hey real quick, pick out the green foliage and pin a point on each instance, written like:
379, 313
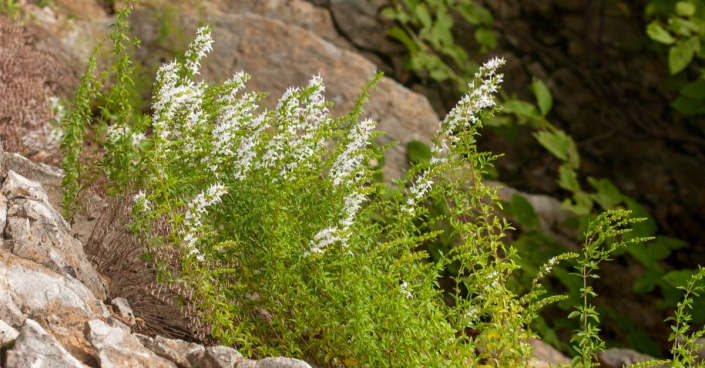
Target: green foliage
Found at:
680, 25
425, 28
11, 8
603, 237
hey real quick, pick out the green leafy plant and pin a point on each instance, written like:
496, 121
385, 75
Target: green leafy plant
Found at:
426, 29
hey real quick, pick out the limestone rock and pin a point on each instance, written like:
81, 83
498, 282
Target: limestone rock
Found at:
184, 354
7, 333
281, 362
123, 310
618, 358
61, 304
547, 353
220, 357
116, 348
37, 232
247, 363
35, 348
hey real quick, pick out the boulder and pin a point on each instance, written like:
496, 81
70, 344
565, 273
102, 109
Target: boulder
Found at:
7, 333
37, 232
60, 303
618, 358
116, 348
35, 348
547, 353
220, 357
123, 310
184, 354
281, 362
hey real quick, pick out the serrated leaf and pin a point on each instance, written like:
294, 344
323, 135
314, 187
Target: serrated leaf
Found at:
607, 196
568, 178
560, 145
657, 33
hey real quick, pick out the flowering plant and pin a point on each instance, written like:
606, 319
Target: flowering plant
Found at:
286, 243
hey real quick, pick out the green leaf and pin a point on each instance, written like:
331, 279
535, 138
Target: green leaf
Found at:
400, 35
607, 196
524, 212
423, 16
681, 54
694, 90
657, 33
543, 96
685, 9
486, 37
679, 278
568, 178
560, 145
580, 205
417, 152
521, 108
688, 106
644, 228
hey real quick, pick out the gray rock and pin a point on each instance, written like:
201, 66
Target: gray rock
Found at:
116, 348
184, 354
35, 348
618, 358
247, 363
37, 232
547, 353
7, 333
29, 290
220, 357
123, 310
281, 362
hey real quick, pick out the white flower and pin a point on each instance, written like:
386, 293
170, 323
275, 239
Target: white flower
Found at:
198, 49
141, 202
403, 288
196, 208
350, 160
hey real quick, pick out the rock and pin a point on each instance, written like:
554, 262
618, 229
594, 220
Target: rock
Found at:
281, 362
220, 357
123, 310
247, 363
35, 348
48, 176
618, 358
298, 13
7, 333
278, 56
184, 354
361, 23
116, 348
547, 353
37, 232
61, 304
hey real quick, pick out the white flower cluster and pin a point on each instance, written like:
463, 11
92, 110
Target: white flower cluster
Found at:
141, 202
546, 269
462, 116
195, 210
116, 133
349, 162
236, 120
404, 288
198, 49
304, 114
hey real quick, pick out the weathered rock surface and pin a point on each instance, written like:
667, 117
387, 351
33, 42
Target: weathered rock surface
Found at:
280, 362
51, 300
547, 353
34, 347
618, 358
117, 348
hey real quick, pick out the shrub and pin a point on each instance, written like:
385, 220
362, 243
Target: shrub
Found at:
273, 221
